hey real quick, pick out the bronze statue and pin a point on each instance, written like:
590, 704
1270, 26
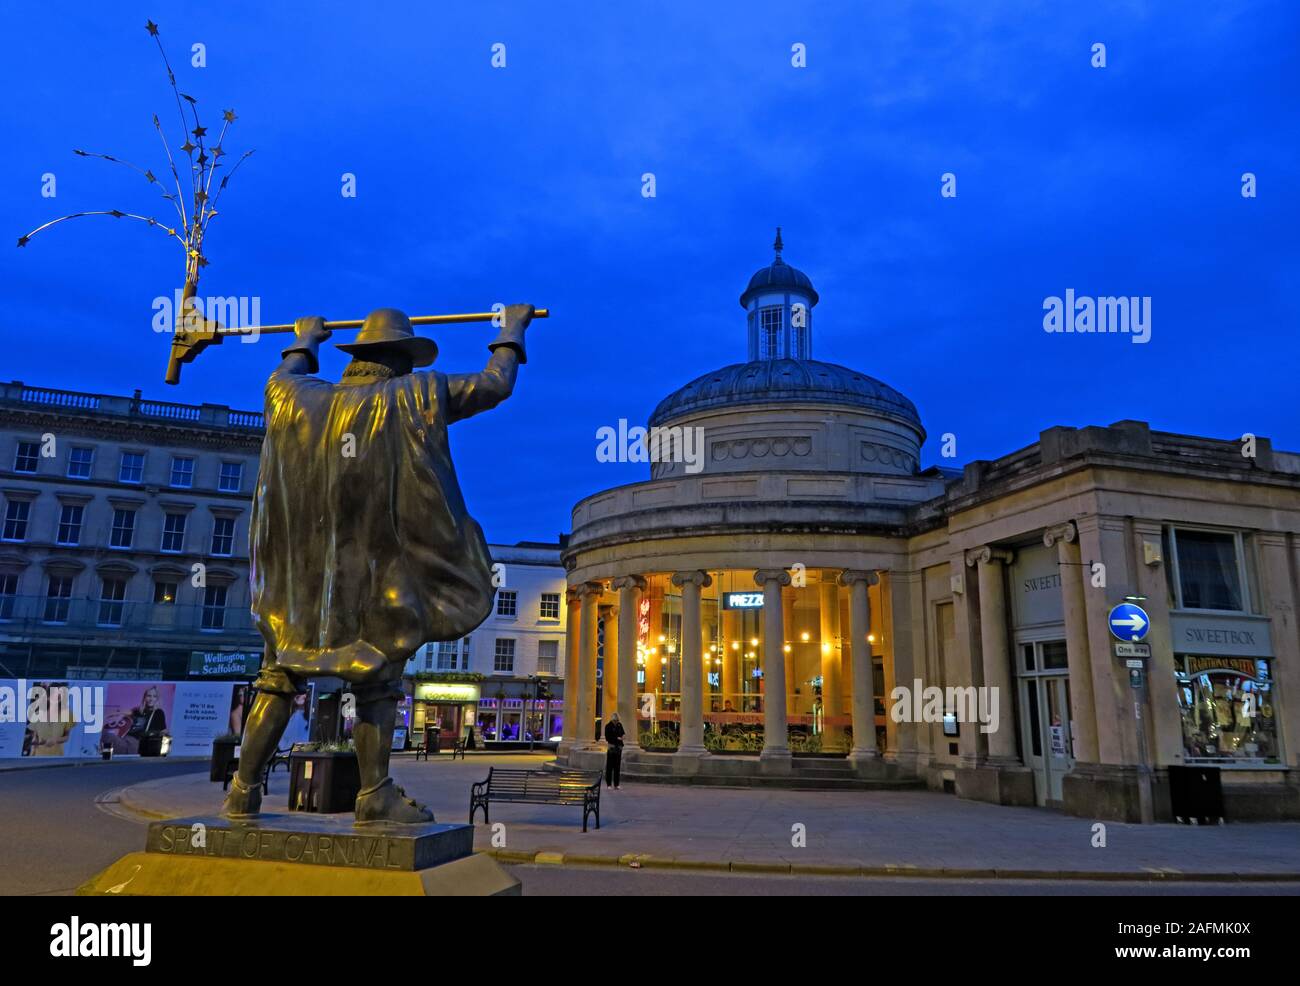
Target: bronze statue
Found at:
360, 545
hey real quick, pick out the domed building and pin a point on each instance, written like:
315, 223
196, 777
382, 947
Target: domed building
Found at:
791, 598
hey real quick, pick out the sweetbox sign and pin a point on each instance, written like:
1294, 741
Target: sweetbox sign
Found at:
1228, 636
1036, 587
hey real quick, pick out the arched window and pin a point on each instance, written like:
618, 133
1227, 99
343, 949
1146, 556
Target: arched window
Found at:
769, 332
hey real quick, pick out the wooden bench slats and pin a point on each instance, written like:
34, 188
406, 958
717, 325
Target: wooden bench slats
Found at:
515, 786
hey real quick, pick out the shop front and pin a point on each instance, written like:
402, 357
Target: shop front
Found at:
448, 706
519, 719
1224, 669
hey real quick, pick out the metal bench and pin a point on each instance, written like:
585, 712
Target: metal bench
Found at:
537, 787
457, 747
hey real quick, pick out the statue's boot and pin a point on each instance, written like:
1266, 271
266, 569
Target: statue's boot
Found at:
263, 728
242, 801
386, 802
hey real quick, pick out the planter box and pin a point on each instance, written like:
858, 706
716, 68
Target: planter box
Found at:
327, 783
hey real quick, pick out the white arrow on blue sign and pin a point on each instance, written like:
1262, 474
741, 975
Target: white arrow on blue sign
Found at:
1129, 622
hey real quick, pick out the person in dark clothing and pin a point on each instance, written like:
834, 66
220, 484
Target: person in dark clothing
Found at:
613, 758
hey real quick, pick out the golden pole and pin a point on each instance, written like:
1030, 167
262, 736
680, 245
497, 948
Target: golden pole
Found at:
356, 323
188, 341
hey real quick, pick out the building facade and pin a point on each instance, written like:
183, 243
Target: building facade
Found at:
124, 548
812, 590
507, 677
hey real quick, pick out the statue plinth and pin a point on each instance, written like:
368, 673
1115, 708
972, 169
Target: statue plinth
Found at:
297, 855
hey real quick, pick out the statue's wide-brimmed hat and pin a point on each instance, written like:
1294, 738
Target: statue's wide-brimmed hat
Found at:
387, 328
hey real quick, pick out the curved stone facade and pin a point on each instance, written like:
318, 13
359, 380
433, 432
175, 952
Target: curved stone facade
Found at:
782, 583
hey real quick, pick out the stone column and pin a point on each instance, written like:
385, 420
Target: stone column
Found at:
1083, 709
775, 757
731, 658
1283, 612
692, 714
903, 626
572, 666
792, 659
1104, 539
1279, 561
1162, 718
584, 708
864, 714
832, 694
995, 647
609, 676
654, 678
629, 589
963, 667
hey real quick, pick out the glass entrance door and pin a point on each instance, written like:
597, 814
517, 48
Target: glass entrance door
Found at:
1045, 717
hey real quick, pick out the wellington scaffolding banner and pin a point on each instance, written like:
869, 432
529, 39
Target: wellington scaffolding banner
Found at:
78, 719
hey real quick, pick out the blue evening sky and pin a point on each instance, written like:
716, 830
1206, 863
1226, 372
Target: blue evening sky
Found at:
477, 185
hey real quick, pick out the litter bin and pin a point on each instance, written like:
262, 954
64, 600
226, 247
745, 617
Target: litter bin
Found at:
1196, 795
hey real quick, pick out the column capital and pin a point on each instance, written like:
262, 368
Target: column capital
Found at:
985, 554
628, 582
851, 575
766, 575
693, 576
585, 589
1066, 532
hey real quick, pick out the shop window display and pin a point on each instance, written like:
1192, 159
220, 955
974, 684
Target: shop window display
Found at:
1226, 705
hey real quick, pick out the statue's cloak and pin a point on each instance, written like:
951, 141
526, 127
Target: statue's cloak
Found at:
361, 549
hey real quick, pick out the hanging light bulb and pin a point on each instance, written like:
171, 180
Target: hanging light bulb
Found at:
804, 636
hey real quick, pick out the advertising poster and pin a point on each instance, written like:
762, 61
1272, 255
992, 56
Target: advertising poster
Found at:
135, 713
200, 713
298, 729
132, 718
46, 726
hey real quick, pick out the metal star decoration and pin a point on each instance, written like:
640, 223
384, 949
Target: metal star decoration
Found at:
202, 169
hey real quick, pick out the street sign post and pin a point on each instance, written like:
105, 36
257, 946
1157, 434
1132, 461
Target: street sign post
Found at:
1133, 650
1128, 622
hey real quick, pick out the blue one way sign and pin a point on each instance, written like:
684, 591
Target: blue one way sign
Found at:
1129, 622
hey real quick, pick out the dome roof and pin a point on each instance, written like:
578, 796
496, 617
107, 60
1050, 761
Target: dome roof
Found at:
785, 381
778, 276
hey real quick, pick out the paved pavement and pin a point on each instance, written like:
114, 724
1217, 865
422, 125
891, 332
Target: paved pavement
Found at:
908, 833
540, 880
53, 837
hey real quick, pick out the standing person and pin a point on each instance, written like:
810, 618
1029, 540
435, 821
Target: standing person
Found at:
614, 758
